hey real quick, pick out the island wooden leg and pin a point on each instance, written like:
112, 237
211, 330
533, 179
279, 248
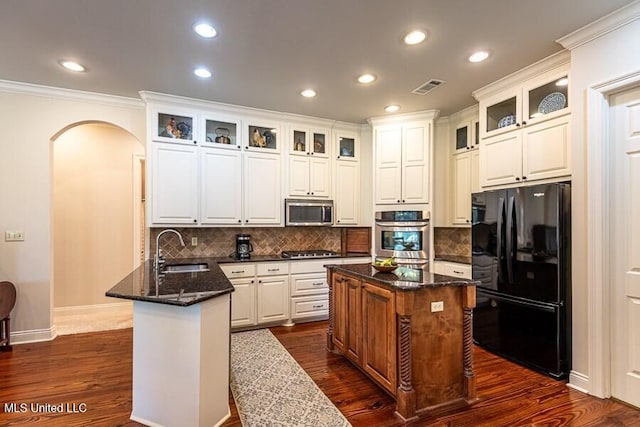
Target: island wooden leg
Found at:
468, 303
406, 395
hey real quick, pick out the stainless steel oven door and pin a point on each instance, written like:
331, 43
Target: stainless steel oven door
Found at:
402, 239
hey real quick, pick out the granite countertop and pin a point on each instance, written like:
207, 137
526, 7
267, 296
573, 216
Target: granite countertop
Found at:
402, 278
460, 259
143, 284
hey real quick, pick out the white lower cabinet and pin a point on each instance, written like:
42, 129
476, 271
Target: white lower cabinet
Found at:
309, 290
453, 269
243, 302
273, 292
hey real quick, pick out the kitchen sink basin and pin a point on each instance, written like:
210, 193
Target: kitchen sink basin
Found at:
186, 268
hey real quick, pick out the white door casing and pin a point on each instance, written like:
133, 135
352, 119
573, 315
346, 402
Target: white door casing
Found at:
625, 254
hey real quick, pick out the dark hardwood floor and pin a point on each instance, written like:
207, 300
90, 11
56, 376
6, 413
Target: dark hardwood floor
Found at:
95, 370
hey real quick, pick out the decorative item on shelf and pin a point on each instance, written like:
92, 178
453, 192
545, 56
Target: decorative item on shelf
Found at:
184, 129
299, 146
507, 120
318, 146
257, 139
223, 136
553, 102
170, 129
344, 151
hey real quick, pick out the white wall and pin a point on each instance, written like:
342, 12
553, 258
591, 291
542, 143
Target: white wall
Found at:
93, 212
608, 57
32, 117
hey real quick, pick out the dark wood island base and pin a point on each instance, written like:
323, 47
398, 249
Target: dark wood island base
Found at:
411, 335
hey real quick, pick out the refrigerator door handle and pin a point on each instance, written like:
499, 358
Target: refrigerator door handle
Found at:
499, 253
510, 228
548, 307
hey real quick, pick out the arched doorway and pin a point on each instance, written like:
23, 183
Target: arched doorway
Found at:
98, 223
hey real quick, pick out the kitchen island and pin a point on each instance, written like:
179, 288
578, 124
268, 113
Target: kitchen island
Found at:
409, 331
181, 339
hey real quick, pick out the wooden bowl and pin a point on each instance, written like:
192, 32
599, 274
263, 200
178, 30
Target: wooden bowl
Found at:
385, 268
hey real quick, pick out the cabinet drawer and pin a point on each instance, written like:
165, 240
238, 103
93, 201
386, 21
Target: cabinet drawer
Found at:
453, 269
272, 268
309, 284
238, 270
302, 307
310, 266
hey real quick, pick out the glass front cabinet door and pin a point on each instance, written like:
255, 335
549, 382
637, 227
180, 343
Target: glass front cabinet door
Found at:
543, 101
222, 132
348, 147
309, 142
176, 126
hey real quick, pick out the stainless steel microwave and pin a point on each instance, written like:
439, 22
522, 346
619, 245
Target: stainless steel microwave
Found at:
308, 212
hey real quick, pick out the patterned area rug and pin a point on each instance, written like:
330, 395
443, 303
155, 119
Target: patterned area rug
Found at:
271, 389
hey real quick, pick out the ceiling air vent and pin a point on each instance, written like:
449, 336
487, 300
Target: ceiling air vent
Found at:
427, 87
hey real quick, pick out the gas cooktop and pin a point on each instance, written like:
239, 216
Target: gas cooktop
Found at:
313, 253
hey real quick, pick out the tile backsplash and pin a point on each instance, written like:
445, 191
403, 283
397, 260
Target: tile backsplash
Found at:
221, 242
452, 241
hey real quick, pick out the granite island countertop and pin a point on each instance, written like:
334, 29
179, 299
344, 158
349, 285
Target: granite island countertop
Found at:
183, 289
402, 278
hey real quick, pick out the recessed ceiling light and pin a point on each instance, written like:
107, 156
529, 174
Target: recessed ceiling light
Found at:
479, 56
366, 78
415, 37
205, 30
562, 82
392, 108
308, 93
202, 72
72, 66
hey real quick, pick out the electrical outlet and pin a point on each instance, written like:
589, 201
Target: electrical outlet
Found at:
194, 241
437, 306
14, 236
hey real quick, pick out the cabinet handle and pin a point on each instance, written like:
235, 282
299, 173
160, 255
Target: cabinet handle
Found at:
237, 272
318, 306
318, 283
273, 269
458, 272
524, 177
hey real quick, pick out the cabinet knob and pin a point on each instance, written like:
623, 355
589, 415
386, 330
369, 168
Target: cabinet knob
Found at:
238, 146
468, 148
403, 201
524, 177
195, 220
246, 220
312, 193
338, 221
524, 123
246, 147
307, 193
517, 178
398, 201
312, 153
239, 221
195, 142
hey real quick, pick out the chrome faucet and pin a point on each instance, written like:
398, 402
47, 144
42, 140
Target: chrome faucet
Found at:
158, 261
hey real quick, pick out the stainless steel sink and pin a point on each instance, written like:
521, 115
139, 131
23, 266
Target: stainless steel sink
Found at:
186, 268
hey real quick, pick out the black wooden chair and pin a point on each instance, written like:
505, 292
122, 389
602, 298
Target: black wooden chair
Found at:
7, 301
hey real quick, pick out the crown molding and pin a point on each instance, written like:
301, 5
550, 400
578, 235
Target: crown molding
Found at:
399, 118
602, 26
551, 62
69, 94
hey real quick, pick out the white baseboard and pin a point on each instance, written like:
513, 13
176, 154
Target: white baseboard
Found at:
92, 318
34, 335
579, 381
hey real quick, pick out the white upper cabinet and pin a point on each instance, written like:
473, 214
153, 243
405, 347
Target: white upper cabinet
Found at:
347, 146
174, 184
309, 168
524, 125
263, 136
402, 150
262, 189
221, 131
221, 186
347, 193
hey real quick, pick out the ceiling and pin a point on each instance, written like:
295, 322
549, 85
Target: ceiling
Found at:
268, 51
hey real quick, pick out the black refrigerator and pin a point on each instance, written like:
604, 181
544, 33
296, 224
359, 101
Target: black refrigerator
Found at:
521, 255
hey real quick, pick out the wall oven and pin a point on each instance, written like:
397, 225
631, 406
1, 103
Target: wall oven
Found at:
403, 235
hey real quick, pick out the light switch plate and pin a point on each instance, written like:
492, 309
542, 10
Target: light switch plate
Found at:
14, 236
437, 306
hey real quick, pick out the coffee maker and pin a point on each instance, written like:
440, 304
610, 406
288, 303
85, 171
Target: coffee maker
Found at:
243, 246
